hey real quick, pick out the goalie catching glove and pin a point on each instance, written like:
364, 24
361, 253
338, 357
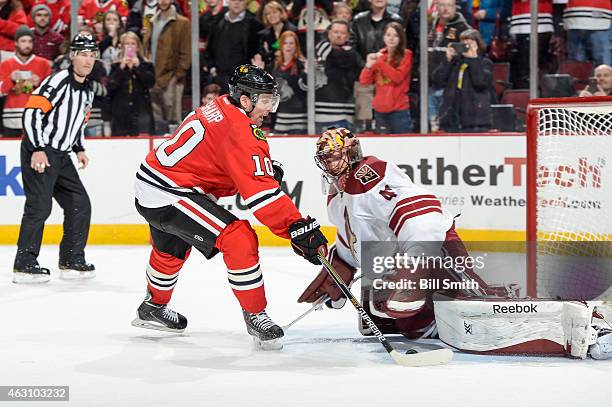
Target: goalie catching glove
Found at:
307, 239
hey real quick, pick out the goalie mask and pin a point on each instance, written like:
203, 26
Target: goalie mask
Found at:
338, 151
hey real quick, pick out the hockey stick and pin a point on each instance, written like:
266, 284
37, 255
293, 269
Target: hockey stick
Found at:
411, 357
316, 305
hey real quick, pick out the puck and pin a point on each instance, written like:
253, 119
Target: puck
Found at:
411, 351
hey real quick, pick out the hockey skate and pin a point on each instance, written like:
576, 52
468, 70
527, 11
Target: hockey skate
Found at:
31, 275
266, 334
158, 317
76, 270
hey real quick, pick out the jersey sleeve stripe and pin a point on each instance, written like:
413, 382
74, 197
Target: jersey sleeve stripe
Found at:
266, 200
413, 199
401, 210
259, 195
414, 214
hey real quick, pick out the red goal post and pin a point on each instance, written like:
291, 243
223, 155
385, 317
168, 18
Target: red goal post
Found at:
569, 198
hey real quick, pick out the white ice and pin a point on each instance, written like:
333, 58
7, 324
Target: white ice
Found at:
79, 334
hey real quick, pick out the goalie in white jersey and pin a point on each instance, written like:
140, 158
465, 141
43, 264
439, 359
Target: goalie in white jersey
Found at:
374, 200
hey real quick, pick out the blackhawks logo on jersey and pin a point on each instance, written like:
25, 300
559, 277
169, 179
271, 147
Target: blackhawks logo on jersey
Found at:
366, 174
258, 133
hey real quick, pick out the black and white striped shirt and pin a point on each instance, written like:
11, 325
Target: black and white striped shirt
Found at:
57, 112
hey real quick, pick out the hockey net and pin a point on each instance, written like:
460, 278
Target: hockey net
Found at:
569, 198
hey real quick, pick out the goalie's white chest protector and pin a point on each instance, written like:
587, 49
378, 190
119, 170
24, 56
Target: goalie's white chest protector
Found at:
381, 203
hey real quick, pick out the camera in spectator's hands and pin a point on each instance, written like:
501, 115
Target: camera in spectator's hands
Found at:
459, 47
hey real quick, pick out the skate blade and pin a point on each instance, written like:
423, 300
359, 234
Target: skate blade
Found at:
76, 275
271, 345
139, 323
27, 278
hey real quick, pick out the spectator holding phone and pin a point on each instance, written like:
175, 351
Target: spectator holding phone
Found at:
129, 83
602, 83
389, 69
466, 77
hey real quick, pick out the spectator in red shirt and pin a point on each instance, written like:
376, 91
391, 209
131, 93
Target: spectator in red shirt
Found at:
93, 11
19, 76
12, 17
389, 69
46, 41
60, 15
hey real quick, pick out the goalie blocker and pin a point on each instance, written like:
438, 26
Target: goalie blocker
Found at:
523, 327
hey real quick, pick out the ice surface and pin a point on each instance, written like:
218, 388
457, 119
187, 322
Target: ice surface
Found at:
79, 334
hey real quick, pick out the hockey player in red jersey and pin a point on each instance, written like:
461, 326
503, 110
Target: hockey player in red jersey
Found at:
374, 200
219, 150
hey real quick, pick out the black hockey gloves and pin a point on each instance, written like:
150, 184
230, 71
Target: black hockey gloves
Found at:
279, 171
307, 239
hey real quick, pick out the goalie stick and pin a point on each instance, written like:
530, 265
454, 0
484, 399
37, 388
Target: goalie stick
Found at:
411, 357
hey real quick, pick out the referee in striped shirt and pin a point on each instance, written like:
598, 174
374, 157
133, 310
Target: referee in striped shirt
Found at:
54, 120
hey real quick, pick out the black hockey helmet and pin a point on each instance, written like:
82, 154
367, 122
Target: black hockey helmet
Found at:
83, 42
252, 81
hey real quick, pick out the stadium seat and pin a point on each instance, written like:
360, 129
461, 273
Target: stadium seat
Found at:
519, 98
501, 78
557, 86
504, 117
581, 71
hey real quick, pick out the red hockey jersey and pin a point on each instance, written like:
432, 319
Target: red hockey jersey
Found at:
60, 15
93, 10
16, 93
587, 15
218, 151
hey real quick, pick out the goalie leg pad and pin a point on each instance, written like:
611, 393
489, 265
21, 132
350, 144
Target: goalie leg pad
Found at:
527, 327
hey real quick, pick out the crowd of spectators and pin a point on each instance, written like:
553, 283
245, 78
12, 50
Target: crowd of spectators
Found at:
367, 58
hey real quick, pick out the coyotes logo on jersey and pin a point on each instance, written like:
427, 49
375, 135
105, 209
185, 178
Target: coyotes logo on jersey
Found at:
381, 203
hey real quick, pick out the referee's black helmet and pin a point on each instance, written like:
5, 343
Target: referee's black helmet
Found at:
83, 42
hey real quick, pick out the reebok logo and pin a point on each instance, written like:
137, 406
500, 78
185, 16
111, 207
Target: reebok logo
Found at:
515, 309
304, 229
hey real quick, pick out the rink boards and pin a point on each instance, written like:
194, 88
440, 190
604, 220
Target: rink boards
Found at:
481, 177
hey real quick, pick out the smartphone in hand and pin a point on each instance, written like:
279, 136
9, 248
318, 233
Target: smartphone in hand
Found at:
130, 52
459, 47
592, 85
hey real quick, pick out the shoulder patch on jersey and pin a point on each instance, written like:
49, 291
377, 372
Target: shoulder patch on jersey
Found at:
366, 174
258, 133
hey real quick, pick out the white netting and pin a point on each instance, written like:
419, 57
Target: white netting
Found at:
574, 201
